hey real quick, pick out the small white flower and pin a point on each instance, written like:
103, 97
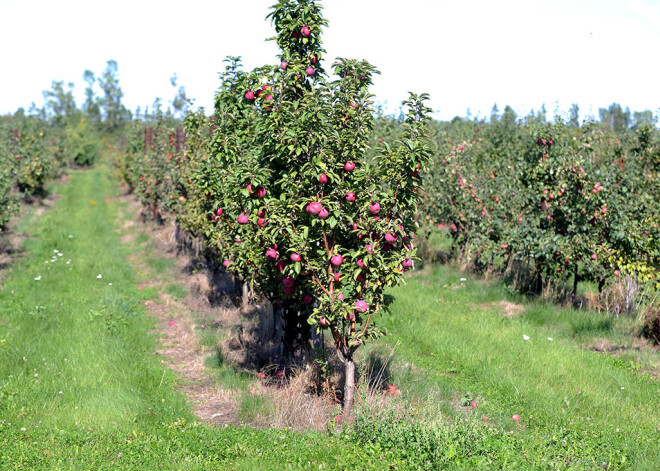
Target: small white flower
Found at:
55, 251
109, 284
37, 278
68, 262
525, 337
622, 388
99, 276
550, 338
463, 279
70, 237
60, 254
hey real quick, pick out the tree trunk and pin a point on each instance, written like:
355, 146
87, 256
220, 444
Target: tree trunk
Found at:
576, 278
278, 330
349, 389
245, 295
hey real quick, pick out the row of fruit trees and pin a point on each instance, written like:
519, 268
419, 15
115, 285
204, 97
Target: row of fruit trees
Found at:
32, 152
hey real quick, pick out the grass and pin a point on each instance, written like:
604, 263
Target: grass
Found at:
80, 386
455, 346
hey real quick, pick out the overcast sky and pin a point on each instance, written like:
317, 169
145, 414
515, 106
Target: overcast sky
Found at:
468, 54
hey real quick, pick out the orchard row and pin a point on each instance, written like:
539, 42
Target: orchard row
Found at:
32, 152
567, 203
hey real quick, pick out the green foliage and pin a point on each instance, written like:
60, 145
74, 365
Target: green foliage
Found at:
113, 113
284, 140
567, 203
84, 146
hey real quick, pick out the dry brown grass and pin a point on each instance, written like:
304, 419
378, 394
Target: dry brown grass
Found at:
298, 407
508, 309
626, 296
651, 328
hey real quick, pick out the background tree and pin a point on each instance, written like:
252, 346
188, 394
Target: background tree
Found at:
574, 116
180, 101
60, 105
615, 118
114, 113
91, 106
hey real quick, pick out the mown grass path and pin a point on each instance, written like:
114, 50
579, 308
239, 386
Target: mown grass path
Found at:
80, 386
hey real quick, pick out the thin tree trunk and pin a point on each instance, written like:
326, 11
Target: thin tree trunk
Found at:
278, 329
245, 295
575, 282
349, 389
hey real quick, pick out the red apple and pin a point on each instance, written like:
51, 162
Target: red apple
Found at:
374, 208
310, 70
349, 166
242, 219
249, 95
324, 213
336, 276
307, 299
296, 257
271, 254
391, 238
262, 222
360, 263
324, 322
314, 208
361, 306
283, 65
323, 179
350, 196
337, 260
226, 263
280, 265
305, 31
288, 281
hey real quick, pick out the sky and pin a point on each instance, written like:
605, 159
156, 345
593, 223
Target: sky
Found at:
467, 54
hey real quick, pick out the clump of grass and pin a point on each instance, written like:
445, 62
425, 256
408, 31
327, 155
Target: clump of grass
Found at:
177, 291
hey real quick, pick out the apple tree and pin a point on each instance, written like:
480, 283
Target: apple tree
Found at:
293, 202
